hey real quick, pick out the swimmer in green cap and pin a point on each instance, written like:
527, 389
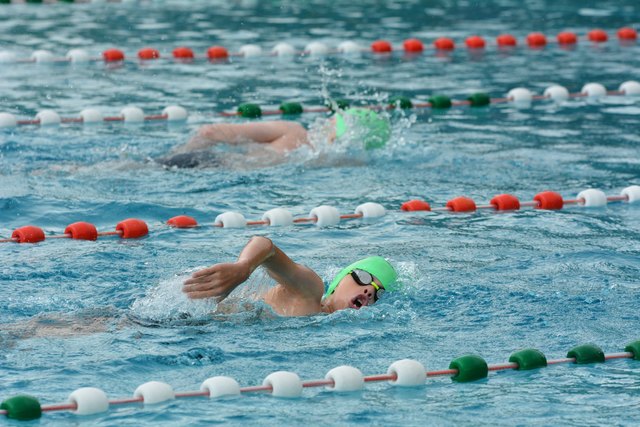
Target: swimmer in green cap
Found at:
280, 137
368, 126
300, 291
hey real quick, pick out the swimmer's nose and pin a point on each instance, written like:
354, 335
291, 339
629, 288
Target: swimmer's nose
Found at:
369, 293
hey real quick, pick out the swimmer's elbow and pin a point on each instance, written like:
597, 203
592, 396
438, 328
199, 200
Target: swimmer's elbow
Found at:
262, 239
205, 132
266, 245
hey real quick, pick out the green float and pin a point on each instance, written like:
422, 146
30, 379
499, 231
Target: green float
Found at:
440, 101
479, 99
634, 348
23, 408
587, 353
291, 108
529, 358
470, 368
401, 101
250, 111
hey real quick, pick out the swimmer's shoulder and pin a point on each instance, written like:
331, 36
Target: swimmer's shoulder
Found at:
288, 303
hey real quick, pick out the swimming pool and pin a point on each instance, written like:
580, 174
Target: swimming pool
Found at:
483, 283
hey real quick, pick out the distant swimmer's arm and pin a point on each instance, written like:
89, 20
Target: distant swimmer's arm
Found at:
282, 135
221, 279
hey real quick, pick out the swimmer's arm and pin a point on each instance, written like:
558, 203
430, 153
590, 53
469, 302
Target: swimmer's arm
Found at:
221, 279
283, 134
296, 278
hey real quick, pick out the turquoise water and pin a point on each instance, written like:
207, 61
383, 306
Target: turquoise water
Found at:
109, 313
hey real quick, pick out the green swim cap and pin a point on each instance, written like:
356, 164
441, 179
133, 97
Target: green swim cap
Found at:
374, 265
374, 129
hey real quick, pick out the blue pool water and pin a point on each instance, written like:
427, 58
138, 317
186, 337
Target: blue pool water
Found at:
109, 314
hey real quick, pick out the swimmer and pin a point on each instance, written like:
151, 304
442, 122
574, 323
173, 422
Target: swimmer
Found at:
300, 291
279, 136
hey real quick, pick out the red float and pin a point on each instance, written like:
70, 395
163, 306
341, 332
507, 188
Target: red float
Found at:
549, 200
148, 53
182, 221
627, 33
475, 42
28, 234
444, 43
183, 53
113, 55
567, 37
536, 40
132, 228
505, 202
506, 40
413, 45
381, 46
217, 52
415, 205
598, 36
82, 231
461, 204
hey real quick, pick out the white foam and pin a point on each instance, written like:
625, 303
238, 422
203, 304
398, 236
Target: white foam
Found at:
166, 301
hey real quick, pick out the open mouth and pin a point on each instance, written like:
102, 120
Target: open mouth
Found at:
359, 301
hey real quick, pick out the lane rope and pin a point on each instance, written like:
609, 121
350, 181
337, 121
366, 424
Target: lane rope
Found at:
328, 216
284, 384
521, 97
627, 36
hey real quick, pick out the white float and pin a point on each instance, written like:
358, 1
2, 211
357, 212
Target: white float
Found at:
520, 95
557, 93
594, 90
371, 210
325, 215
91, 115
249, 50
78, 55
231, 220
220, 386
48, 117
283, 49
42, 56
8, 120
175, 113
345, 378
349, 47
593, 198
89, 401
630, 88
317, 49
409, 373
632, 193
132, 114
278, 217
284, 384
154, 392
6, 56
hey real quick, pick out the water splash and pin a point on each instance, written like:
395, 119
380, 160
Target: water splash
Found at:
166, 303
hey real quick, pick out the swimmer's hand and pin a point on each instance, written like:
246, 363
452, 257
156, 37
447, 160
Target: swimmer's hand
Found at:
217, 281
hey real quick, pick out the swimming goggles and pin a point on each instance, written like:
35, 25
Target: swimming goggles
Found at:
364, 278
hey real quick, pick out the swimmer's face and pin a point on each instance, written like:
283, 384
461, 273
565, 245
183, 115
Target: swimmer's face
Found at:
349, 294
